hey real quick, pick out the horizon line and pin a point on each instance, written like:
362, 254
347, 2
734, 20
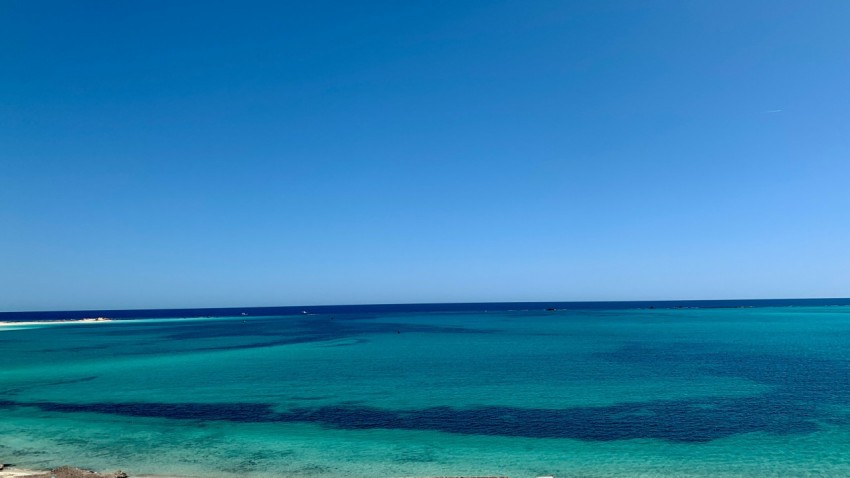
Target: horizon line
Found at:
413, 304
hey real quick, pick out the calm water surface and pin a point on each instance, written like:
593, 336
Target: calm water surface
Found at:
721, 392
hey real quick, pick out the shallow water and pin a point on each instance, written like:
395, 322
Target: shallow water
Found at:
593, 393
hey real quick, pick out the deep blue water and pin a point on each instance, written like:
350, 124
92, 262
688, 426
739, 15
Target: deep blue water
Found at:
413, 308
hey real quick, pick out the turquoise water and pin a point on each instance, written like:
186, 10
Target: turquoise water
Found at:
596, 393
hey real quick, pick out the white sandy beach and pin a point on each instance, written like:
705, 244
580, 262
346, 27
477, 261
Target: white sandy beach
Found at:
18, 473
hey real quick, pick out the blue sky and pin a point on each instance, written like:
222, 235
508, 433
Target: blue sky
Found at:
180, 154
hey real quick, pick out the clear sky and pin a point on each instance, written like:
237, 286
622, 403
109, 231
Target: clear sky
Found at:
190, 154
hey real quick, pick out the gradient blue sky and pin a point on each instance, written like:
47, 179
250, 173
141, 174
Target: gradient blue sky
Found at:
180, 154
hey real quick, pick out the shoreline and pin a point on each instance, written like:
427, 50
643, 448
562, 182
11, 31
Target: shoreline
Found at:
10, 471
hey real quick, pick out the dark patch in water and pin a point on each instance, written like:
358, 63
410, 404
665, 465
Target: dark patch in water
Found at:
53, 383
346, 344
78, 349
677, 421
810, 380
257, 345
276, 331
233, 412
803, 391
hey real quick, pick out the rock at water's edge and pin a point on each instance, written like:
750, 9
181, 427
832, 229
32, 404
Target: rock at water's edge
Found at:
69, 472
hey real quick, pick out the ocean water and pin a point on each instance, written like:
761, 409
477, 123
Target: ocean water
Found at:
598, 390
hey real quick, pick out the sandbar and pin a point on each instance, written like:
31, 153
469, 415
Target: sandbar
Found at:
87, 320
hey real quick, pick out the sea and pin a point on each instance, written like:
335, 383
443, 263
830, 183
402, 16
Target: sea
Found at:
757, 388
